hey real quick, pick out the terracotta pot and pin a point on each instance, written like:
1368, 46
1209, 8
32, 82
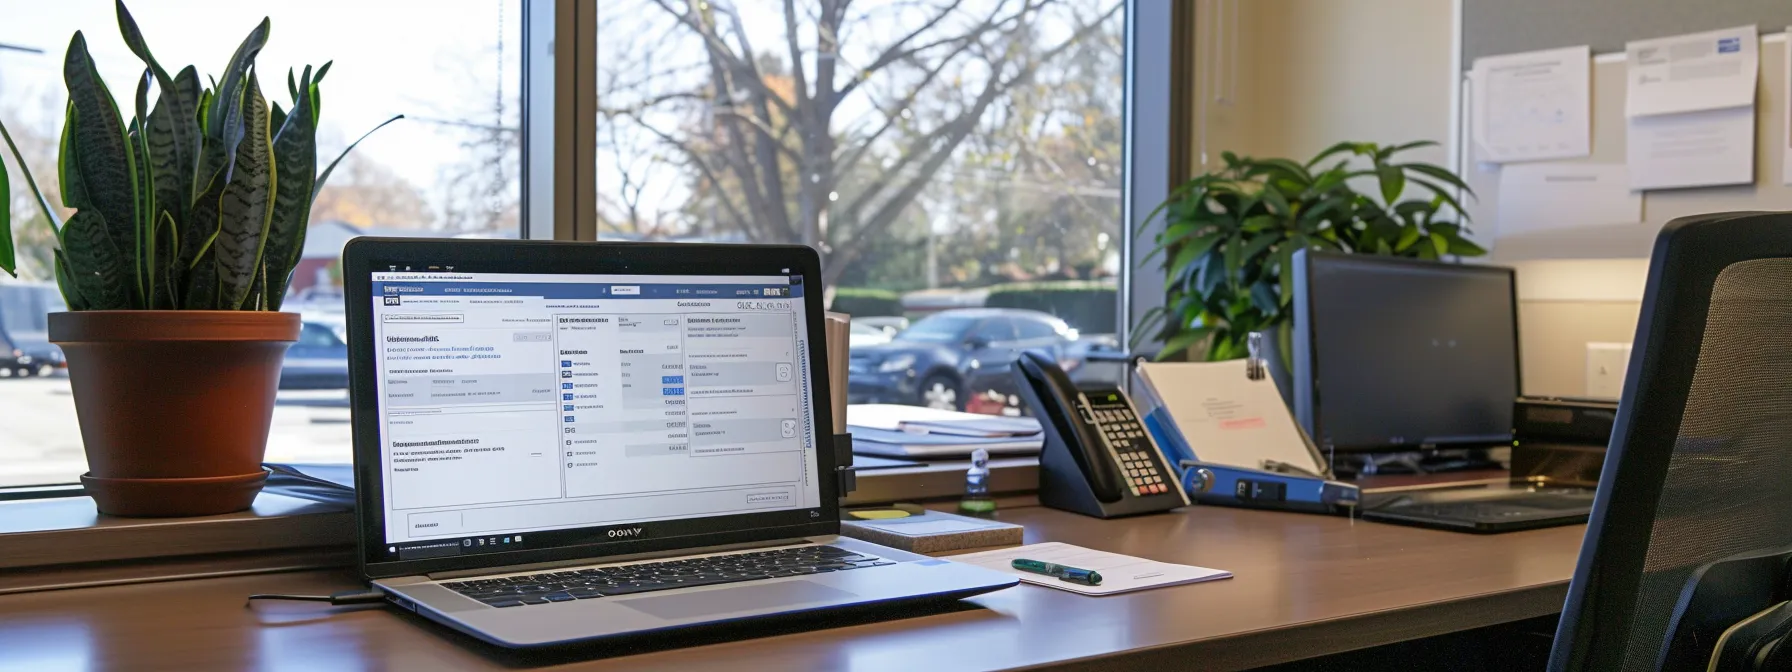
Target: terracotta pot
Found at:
174, 404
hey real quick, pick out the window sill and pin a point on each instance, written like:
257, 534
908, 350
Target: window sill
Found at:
48, 544
65, 542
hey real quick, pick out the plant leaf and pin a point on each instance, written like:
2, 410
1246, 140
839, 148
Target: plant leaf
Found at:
1393, 182
8, 262
1183, 340
167, 245
1408, 235
68, 173
201, 292
245, 210
1463, 247
71, 295
133, 38
30, 183
228, 106
104, 158
96, 264
1439, 174
173, 149
325, 176
295, 163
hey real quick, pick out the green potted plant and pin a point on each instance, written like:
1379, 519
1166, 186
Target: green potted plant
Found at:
1230, 236
188, 219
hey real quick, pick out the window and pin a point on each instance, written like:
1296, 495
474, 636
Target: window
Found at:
942, 155
451, 168
1034, 330
993, 331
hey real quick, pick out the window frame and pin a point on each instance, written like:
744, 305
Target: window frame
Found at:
559, 95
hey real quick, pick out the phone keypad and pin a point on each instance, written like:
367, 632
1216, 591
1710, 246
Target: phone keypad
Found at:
1138, 461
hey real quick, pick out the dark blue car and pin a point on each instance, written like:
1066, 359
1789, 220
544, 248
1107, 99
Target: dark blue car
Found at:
25, 347
950, 359
318, 361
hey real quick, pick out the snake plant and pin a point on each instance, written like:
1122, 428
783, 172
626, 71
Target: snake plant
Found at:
198, 203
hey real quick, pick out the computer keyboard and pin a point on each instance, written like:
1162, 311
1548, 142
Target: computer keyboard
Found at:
580, 584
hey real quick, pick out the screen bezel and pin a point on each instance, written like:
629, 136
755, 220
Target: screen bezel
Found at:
364, 256
1304, 322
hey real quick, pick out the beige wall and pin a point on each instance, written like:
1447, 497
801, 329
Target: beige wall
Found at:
1309, 73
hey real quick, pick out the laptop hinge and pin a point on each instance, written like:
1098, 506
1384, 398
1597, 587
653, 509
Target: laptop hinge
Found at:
675, 553
843, 469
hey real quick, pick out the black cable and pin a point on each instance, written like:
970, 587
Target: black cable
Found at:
335, 599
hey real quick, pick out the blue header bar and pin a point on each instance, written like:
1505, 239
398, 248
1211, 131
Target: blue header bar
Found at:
587, 290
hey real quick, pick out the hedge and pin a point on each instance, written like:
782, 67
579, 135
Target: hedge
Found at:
866, 302
1089, 306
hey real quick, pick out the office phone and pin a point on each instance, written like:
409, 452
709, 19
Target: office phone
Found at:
1098, 459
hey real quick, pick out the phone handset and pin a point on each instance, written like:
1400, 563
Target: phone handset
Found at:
1067, 412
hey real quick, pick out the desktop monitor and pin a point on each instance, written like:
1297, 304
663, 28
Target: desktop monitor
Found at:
1394, 355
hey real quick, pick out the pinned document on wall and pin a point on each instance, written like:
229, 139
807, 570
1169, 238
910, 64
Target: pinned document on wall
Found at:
1690, 104
1541, 196
1786, 116
1532, 106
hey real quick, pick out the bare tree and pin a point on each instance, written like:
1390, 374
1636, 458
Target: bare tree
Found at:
876, 96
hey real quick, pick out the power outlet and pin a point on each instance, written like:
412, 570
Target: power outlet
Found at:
1606, 364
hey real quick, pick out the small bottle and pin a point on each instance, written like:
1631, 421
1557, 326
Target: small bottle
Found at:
977, 501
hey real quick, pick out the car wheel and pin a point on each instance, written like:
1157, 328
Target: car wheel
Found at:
941, 391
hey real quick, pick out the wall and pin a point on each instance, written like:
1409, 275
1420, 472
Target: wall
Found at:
1309, 73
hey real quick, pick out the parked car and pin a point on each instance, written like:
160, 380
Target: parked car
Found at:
861, 335
25, 347
889, 325
318, 361
950, 358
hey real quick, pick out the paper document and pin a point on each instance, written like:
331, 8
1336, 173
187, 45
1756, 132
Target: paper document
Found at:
891, 416
1540, 196
1692, 149
1226, 418
1786, 114
1534, 105
1687, 73
1119, 573
1690, 104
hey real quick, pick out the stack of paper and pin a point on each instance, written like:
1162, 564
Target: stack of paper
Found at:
839, 330
1119, 573
914, 431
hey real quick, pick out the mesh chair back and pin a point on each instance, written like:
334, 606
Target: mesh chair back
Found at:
1700, 463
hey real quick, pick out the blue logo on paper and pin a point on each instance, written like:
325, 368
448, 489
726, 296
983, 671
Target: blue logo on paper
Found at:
566, 386
566, 407
565, 363
1729, 45
566, 397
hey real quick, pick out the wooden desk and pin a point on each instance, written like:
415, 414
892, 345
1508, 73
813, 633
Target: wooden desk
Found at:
1305, 586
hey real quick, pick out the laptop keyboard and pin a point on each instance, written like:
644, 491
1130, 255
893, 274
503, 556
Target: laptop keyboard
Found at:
582, 584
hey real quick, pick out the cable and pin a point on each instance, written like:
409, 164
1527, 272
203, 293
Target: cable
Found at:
335, 599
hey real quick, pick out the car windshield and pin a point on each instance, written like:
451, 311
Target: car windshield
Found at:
938, 329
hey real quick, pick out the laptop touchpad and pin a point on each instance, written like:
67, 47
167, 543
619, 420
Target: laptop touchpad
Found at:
745, 598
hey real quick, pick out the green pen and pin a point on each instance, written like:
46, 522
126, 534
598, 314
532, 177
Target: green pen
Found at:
1087, 577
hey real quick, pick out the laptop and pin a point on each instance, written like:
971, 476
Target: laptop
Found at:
566, 442
1505, 506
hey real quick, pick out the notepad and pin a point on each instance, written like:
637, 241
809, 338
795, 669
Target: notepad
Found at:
1119, 573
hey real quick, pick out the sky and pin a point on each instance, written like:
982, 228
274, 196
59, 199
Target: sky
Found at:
436, 59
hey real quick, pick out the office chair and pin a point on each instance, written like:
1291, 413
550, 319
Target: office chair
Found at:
1698, 476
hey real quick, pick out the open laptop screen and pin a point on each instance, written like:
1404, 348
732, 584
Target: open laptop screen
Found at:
531, 411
